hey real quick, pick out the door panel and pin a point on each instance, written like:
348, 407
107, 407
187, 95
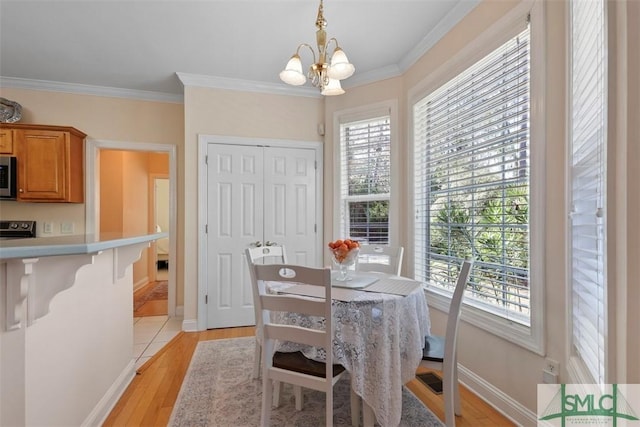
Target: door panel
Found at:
234, 203
255, 194
290, 198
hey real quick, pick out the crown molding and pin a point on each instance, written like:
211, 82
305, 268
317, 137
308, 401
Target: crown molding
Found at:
443, 27
113, 92
200, 80
388, 72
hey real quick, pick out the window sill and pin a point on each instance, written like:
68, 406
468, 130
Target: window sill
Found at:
527, 337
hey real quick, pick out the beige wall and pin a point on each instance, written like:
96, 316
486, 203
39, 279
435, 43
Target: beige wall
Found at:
125, 199
158, 163
100, 117
111, 188
135, 206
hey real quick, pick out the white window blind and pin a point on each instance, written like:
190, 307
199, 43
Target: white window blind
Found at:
588, 183
366, 179
472, 181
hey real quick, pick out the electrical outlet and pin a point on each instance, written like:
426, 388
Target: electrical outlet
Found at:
47, 227
549, 378
551, 371
66, 227
552, 366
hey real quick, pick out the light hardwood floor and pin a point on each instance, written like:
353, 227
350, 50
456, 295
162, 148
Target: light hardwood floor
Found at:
150, 397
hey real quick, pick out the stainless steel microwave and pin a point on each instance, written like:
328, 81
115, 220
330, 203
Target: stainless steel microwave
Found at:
8, 177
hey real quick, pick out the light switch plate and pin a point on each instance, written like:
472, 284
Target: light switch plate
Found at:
47, 227
66, 227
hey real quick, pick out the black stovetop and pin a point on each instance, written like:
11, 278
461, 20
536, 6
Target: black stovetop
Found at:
17, 229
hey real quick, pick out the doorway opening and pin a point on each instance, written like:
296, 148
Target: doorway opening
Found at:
121, 196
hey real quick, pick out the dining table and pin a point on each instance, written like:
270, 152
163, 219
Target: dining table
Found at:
380, 323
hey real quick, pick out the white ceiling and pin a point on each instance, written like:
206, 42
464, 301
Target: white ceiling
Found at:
140, 45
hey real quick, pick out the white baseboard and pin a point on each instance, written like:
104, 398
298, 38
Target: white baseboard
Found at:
190, 325
104, 407
140, 283
495, 397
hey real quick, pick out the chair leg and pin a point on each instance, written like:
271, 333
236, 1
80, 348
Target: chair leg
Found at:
355, 408
448, 392
449, 412
277, 392
457, 404
329, 407
257, 360
267, 397
297, 392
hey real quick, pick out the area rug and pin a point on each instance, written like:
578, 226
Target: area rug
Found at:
157, 292
218, 391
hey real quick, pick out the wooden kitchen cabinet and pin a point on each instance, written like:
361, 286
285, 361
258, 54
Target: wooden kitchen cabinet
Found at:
50, 163
6, 142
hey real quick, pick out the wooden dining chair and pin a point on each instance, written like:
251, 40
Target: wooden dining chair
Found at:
440, 352
295, 368
262, 255
380, 258
266, 255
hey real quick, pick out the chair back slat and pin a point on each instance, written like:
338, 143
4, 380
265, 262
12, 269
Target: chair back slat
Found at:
312, 307
267, 255
380, 258
297, 334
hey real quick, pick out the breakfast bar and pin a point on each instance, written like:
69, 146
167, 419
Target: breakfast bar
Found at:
69, 297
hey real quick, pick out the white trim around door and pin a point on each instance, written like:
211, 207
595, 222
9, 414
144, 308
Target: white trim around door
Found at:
92, 202
203, 142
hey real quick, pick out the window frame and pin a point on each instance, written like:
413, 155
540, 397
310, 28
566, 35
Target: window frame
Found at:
372, 111
577, 369
530, 337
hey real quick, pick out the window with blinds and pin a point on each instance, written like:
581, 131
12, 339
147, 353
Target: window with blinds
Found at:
472, 181
365, 179
588, 103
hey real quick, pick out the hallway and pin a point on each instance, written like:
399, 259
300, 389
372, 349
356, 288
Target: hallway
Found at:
152, 327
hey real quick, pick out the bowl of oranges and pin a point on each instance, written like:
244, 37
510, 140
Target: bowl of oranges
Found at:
345, 254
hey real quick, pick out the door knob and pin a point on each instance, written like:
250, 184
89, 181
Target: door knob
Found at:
268, 243
258, 244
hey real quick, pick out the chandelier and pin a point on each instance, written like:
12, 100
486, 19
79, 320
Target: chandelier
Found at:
323, 75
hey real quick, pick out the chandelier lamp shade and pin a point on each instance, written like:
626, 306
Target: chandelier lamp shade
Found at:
323, 74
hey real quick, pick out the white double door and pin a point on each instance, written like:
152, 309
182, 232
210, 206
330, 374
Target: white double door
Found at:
256, 195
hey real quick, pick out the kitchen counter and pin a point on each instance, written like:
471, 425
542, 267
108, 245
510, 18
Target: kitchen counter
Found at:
66, 329
71, 245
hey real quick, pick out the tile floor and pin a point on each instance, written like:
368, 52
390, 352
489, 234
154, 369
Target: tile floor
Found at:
152, 333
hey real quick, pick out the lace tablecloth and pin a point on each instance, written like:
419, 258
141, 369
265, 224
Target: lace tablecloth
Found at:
378, 339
